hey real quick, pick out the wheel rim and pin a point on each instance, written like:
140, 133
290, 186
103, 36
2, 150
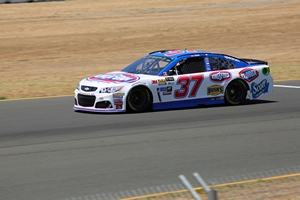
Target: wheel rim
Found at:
138, 98
235, 91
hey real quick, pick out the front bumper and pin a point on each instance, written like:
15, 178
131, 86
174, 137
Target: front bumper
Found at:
98, 110
98, 102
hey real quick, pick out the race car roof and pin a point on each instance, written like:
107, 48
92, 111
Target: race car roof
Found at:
177, 53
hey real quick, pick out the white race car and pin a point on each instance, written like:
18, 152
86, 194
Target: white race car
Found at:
170, 79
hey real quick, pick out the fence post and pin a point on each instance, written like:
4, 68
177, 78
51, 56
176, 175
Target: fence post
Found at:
212, 194
189, 187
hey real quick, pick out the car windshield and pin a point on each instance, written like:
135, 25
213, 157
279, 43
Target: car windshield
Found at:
151, 65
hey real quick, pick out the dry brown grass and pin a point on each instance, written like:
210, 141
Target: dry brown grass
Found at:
46, 48
273, 188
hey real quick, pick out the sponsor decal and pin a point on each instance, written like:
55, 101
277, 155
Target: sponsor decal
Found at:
118, 101
154, 81
215, 90
162, 82
206, 59
163, 89
168, 90
105, 90
115, 78
221, 76
119, 107
154, 57
118, 95
139, 83
164, 59
167, 93
110, 89
266, 71
220, 98
259, 89
169, 78
217, 98
85, 93
175, 52
249, 74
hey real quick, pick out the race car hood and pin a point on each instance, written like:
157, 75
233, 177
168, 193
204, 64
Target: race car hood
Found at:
112, 79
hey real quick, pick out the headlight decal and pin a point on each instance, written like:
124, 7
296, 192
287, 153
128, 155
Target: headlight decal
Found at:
110, 89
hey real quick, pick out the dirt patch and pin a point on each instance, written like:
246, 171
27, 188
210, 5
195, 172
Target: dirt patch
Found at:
46, 48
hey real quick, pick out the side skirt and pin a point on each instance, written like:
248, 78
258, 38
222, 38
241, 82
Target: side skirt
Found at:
188, 103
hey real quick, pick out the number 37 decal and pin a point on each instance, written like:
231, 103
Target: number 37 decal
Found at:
185, 82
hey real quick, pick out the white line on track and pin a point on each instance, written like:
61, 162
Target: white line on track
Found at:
287, 86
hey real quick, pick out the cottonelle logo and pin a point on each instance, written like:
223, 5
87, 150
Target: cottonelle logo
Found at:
249, 74
221, 76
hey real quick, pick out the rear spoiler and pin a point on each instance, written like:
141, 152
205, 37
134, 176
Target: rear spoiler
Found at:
253, 61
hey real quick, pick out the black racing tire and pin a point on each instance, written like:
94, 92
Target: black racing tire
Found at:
138, 100
236, 92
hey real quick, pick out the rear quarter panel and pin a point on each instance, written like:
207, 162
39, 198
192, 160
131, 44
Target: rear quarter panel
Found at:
210, 85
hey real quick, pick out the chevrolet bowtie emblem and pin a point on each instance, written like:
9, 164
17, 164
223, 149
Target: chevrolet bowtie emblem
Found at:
86, 89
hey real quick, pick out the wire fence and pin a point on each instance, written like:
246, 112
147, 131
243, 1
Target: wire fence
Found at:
282, 184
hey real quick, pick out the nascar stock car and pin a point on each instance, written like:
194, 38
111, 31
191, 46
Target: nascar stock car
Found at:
169, 79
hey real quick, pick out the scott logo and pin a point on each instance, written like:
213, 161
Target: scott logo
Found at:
249, 74
259, 89
221, 76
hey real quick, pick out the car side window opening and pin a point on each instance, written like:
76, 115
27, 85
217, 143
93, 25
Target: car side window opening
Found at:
217, 63
188, 66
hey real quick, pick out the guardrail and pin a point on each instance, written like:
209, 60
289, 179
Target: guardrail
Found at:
25, 1
281, 184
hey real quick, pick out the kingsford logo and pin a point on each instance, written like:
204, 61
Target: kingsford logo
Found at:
259, 89
249, 74
115, 78
220, 76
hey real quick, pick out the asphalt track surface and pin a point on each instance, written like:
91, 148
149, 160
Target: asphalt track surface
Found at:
48, 151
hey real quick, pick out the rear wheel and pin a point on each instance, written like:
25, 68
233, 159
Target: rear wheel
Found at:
138, 99
236, 92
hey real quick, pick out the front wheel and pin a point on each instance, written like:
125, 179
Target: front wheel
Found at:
138, 99
236, 92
